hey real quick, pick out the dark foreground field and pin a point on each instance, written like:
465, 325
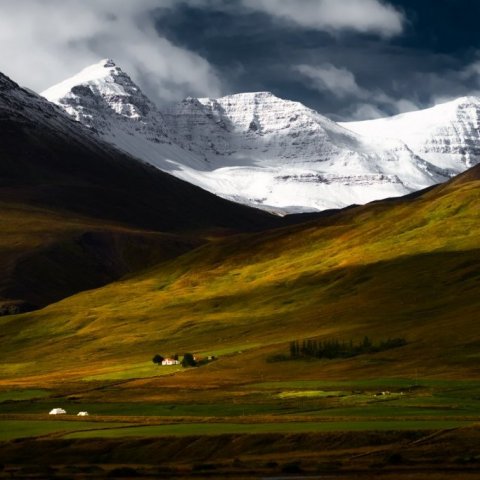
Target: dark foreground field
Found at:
437, 455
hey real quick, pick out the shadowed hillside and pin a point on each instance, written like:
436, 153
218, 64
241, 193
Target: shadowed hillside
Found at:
406, 268
46, 256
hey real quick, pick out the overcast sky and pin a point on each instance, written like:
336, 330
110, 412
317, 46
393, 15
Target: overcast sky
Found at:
349, 59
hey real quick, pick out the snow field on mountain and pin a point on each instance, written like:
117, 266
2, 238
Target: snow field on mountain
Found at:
276, 154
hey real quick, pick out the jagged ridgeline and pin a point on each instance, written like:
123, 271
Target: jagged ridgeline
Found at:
261, 150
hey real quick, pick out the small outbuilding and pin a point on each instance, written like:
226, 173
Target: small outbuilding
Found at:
170, 361
57, 411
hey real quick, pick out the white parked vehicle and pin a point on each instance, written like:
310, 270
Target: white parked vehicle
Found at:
82, 414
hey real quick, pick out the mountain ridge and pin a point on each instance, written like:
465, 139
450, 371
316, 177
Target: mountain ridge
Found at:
255, 148
69, 159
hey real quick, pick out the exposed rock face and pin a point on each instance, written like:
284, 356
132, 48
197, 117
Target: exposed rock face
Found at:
105, 99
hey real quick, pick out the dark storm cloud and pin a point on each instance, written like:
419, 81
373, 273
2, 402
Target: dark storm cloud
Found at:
428, 55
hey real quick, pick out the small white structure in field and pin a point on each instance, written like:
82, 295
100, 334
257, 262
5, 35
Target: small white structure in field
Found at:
57, 411
170, 361
82, 414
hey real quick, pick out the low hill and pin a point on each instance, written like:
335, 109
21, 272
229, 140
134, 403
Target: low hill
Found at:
46, 256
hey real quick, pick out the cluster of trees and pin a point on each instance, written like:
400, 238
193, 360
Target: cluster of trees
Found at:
189, 360
335, 349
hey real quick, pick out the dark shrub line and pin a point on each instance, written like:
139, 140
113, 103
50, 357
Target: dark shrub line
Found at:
330, 349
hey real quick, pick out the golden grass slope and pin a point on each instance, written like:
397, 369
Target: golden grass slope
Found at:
407, 268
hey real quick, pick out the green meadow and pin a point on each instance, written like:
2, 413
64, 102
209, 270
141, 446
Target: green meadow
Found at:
14, 429
195, 429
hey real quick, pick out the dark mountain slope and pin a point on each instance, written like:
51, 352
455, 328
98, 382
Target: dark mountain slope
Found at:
45, 256
48, 159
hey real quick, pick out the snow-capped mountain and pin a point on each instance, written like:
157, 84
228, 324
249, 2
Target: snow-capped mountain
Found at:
106, 100
446, 135
275, 152
253, 148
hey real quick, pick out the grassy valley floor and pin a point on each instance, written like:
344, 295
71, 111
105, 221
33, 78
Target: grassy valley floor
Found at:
410, 428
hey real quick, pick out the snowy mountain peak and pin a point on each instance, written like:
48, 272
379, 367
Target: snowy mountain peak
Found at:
468, 100
246, 97
446, 135
260, 113
263, 99
105, 99
102, 95
242, 97
105, 72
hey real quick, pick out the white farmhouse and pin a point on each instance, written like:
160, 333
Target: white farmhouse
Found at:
57, 411
170, 361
